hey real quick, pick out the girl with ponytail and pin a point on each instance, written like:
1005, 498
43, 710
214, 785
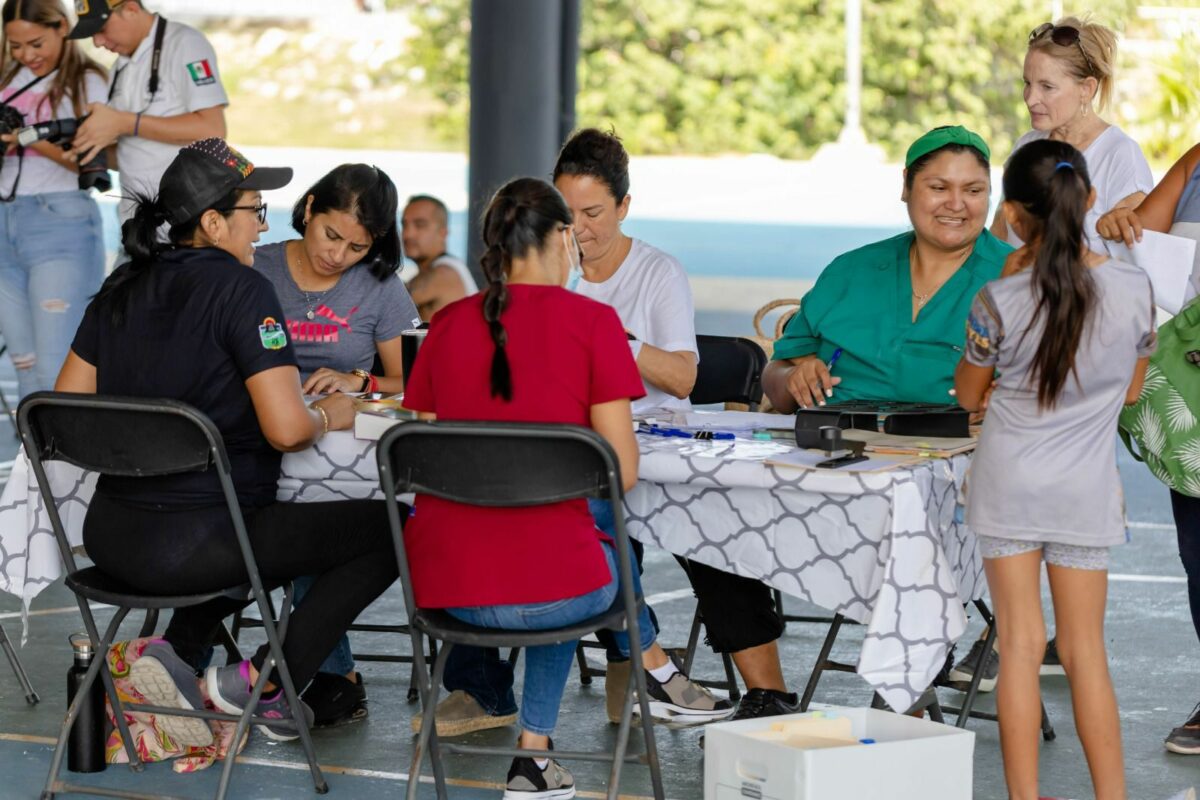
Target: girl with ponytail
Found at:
527, 350
1069, 333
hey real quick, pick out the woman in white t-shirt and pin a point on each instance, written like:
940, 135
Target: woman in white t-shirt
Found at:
1068, 73
51, 246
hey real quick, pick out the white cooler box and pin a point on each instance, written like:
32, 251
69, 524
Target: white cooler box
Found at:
910, 758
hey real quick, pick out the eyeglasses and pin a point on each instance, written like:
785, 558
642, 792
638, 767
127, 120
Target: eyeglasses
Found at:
1063, 36
260, 210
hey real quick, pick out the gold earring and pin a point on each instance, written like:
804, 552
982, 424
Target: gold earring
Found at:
1084, 109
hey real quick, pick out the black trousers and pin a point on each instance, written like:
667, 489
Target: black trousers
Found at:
1187, 527
739, 612
347, 545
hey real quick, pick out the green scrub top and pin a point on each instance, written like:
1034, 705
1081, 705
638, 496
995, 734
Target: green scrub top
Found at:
862, 303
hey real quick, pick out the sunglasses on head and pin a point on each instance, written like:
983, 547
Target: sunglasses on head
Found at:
1063, 36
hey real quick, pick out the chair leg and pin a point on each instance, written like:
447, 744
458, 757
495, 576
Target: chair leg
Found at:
647, 722
585, 672
97, 669
968, 703
735, 693
233, 654
427, 737
622, 743
811, 687
31, 696
150, 623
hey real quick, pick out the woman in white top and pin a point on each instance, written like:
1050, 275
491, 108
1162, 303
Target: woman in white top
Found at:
1068, 77
51, 250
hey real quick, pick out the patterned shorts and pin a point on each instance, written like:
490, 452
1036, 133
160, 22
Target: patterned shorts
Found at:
1060, 555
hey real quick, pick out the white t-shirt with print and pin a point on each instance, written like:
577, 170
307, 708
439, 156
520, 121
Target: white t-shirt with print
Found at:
188, 81
1117, 169
652, 296
40, 174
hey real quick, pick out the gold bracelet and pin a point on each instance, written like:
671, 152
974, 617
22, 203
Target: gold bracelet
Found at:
324, 418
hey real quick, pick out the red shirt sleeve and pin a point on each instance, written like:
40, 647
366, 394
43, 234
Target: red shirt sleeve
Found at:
614, 373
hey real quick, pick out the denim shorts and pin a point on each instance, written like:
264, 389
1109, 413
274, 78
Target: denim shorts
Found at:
1060, 555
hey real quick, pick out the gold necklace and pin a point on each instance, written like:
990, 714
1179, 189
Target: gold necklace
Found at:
924, 298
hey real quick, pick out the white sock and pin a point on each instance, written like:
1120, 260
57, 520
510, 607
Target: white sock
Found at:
542, 763
663, 674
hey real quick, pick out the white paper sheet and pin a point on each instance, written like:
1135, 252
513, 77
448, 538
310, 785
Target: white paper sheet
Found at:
739, 421
1167, 259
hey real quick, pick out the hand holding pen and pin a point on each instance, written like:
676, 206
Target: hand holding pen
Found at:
811, 382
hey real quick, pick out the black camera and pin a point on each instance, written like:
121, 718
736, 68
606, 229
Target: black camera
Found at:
10, 119
93, 174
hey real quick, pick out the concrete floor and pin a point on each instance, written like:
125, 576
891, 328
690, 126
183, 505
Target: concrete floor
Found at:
1152, 647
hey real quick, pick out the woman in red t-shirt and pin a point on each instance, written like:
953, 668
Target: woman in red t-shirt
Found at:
528, 350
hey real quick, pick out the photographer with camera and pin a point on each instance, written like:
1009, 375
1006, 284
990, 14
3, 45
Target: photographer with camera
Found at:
51, 248
165, 93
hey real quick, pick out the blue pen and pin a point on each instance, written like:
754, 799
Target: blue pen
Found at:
833, 359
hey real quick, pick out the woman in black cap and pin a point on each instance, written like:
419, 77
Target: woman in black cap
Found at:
188, 320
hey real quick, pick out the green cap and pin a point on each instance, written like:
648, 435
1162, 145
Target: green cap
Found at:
940, 137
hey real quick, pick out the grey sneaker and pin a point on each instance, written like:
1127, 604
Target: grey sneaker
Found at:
964, 670
1050, 662
528, 782
681, 699
460, 713
1185, 739
165, 679
229, 688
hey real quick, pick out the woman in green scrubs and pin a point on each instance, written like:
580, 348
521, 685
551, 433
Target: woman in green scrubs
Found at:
894, 311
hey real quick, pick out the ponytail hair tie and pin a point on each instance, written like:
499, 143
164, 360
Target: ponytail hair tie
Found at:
1064, 165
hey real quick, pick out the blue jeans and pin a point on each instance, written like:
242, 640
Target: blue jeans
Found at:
547, 666
488, 678
51, 263
340, 660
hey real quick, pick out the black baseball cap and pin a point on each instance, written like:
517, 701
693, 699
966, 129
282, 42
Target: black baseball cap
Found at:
205, 172
91, 16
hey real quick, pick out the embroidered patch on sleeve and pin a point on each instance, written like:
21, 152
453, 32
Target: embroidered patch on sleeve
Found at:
978, 334
201, 73
272, 334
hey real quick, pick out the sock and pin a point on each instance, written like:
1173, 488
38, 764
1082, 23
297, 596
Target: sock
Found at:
663, 674
542, 763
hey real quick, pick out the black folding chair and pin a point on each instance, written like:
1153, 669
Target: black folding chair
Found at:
506, 465
31, 696
929, 699
135, 437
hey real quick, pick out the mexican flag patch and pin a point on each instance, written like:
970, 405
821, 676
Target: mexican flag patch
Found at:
201, 73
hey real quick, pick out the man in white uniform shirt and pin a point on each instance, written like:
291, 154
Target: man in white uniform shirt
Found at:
164, 92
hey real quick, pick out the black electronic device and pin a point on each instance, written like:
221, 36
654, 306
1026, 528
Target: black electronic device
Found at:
93, 174
901, 419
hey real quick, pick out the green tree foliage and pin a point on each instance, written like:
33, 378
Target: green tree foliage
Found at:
713, 76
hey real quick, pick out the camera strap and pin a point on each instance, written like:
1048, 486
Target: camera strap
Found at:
20, 150
160, 33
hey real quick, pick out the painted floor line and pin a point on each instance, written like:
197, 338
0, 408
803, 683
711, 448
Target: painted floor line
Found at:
1146, 578
666, 597
329, 769
1150, 526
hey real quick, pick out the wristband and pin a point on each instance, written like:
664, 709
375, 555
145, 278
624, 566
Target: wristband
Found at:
137, 123
324, 418
374, 384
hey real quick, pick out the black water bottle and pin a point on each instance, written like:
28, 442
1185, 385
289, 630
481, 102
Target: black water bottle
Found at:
85, 747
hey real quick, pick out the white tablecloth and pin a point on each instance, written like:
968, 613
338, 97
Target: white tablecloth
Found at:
882, 548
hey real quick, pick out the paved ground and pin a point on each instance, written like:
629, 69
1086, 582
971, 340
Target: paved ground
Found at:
1153, 655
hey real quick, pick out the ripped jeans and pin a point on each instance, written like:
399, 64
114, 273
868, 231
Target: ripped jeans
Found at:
51, 263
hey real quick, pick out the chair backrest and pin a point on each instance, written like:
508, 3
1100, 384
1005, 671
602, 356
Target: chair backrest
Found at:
119, 435
498, 464
730, 371
126, 436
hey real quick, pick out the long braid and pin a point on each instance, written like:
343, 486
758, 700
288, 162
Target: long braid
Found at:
495, 300
519, 218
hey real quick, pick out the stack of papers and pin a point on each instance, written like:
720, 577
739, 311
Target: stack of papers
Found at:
1168, 260
738, 421
927, 446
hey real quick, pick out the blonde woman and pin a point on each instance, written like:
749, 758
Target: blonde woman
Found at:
1069, 75
51, 250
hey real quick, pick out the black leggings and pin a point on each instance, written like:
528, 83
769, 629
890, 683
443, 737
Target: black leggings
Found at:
1187, 527
346, 544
